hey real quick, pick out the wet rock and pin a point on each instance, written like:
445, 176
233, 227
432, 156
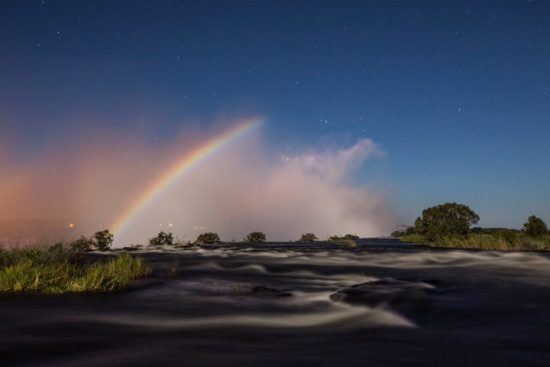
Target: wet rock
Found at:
270, 292
386, 292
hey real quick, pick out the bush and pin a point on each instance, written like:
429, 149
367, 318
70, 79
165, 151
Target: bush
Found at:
509, 235
255, 237
352, 237
208, 237
409, 230
162, 239
347, 240
535, 227
308, 237
103, 239
447, 220
82, 244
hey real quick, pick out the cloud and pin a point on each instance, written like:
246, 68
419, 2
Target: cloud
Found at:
247, 186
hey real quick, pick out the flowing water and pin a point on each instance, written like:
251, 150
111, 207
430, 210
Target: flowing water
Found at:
381, 304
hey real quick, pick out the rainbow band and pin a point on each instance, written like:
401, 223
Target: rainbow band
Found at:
182, 167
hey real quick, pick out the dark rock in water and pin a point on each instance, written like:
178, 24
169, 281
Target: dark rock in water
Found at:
386, 292
266, 291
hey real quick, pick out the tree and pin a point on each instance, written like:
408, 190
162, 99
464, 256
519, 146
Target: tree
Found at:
352, 237
208, 237
255, 237
103, 239
449, 219
535, 226
308, 237
162, 238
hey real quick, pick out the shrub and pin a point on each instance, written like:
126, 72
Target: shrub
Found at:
508, 235
450, 219
308, 237
255, 237
161, 239
208, 237
352, 237
535, 227
82, 244
347, 240
397, 233
103, 239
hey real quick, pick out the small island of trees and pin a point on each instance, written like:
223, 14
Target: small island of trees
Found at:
450, 225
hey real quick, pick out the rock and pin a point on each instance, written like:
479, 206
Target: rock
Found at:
273, 292
386, 292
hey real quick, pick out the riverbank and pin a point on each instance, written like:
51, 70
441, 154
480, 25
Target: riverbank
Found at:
61, 269
505, 241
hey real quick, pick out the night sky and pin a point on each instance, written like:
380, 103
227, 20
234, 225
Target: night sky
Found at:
456, 93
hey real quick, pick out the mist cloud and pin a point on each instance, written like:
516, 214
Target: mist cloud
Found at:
245, 187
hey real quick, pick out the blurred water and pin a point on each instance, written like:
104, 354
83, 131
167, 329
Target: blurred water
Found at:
296, 304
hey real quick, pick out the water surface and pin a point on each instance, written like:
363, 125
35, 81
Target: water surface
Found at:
289, 304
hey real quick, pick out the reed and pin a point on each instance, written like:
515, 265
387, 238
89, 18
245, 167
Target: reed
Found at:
58, 269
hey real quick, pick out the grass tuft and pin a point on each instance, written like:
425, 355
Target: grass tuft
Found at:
58, 269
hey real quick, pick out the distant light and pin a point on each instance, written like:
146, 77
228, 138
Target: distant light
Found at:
71, 225
170, 224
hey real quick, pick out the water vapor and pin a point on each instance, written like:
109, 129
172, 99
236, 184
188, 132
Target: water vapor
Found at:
78, 187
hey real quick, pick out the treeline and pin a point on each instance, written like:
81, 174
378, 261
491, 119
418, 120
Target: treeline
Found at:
103, 240
168, 239
451, 225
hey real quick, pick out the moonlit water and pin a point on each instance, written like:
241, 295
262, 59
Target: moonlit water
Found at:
314, 304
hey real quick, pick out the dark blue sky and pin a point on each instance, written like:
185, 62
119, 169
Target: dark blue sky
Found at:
457, 93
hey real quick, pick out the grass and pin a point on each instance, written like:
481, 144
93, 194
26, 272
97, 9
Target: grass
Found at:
58, 269
507, 241
413, 238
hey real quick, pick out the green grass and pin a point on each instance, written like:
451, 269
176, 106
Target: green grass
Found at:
413, 238
58, 269
505, 241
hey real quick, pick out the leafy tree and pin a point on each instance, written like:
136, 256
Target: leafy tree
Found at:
208, 237
308, 237
535, 226
410, 230
162, 238
255, 237
103, 239
449, 219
